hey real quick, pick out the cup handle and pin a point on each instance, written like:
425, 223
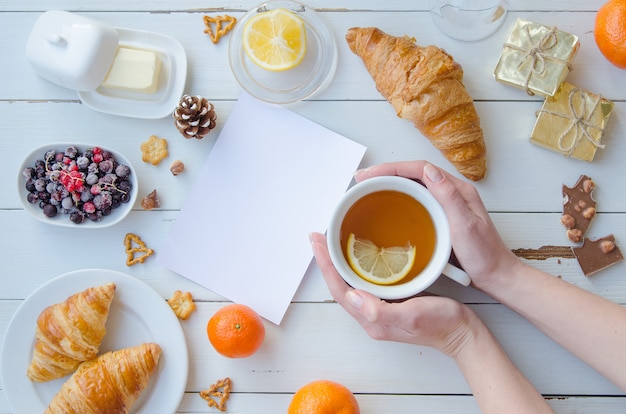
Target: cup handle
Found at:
456, 274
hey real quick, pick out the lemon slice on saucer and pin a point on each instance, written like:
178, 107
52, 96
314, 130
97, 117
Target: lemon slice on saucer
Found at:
275, 40
380, 265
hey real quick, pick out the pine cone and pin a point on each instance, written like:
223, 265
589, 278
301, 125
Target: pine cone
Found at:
194, 116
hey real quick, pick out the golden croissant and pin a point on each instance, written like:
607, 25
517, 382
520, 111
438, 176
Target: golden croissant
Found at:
110, 383
69, 333
425, 86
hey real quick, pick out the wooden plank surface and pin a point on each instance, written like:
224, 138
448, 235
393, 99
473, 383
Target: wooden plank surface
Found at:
317, 338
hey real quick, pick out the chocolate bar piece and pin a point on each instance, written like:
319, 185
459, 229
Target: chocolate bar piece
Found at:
594, 256
579, 208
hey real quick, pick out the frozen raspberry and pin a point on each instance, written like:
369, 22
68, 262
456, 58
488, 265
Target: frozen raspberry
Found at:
89, 207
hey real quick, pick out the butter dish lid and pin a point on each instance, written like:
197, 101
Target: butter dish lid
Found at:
71, 50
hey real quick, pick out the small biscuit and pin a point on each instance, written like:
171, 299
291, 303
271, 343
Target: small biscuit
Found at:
220, 29
214, 391
154, 150
182, 304
134, 245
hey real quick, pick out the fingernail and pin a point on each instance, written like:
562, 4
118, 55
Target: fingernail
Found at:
354, 299
313, 243
362, 171
432, 173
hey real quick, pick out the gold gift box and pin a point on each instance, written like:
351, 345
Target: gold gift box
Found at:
572, 122
536, 58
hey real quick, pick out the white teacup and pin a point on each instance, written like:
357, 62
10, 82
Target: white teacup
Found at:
438, 263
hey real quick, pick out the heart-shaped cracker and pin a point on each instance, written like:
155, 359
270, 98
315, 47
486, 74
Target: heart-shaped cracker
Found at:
220, 28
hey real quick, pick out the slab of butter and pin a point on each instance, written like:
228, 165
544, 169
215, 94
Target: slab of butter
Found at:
135, 70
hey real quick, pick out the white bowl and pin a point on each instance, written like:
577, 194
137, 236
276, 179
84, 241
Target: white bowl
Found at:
61, 219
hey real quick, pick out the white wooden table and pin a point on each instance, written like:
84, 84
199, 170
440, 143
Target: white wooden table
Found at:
317, 339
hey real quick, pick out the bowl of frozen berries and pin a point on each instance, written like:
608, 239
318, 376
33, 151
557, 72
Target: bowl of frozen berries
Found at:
76, 185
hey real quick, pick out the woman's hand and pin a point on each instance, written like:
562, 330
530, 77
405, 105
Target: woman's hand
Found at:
475, 240
437, 322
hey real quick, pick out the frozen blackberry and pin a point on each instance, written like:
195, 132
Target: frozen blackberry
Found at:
125, 186
122, 171
103, 200
91, 178
30, 185
106, 166
32, 198
77, 217
49, 210
28, 172
67, 203
71, 152
40, 184
44, 196
50, 155
95, 216
83, 162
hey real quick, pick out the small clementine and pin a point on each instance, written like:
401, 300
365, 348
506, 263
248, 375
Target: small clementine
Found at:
236, 331
610, 32
323, 397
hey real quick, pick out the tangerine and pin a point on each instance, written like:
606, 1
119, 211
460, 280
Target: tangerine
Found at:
610, 32
236, 331
323, 397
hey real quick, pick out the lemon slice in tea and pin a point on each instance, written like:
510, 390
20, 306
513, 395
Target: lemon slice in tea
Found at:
380, 265
275, 40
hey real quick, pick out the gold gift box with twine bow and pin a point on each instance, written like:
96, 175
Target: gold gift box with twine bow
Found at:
572, 122
536, 58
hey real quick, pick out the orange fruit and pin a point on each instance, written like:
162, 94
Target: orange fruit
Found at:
323, 397
610, 32
236, 331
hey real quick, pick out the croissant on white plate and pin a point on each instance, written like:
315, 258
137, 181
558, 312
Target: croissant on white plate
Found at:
108, 384
69, 333
425, 86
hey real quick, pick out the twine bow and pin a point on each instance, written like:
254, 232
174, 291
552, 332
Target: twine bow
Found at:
580, 122
537, 53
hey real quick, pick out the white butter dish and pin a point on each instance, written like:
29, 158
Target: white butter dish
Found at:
77, 52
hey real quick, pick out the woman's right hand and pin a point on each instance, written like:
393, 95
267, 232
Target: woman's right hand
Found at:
475, 240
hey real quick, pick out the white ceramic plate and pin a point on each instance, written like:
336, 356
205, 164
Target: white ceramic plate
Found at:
61, 219
311, 76
137, 315
142, 105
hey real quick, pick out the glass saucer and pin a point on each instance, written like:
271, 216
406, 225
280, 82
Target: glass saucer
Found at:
312, 75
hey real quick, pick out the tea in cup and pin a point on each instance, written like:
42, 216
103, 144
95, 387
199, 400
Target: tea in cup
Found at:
390, 237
